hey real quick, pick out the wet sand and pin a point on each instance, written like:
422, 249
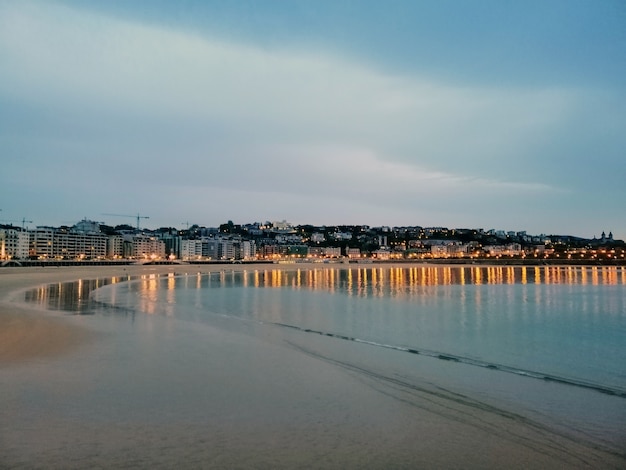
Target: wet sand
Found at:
27, 333
75, 396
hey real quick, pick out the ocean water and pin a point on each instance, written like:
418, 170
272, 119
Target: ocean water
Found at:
332, 367
564, 324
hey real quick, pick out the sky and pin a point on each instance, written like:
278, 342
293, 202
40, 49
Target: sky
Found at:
465, 114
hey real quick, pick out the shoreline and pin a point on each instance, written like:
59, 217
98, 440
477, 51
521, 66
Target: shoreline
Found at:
28, 331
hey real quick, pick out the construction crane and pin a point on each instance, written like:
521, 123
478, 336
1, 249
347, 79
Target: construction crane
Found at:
133, 216
24, 221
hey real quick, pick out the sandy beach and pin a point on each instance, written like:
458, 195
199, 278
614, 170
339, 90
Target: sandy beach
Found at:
111, 393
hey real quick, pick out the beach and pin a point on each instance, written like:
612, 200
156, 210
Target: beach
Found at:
119, 391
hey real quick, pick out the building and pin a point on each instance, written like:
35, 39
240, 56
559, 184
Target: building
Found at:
338, 236
298, 251
145, 247
61, 243
332, 252
229, 248
248, 250
318, 237
268, 251
282, 226
316, 252
382, 254
86, 226
289, 238
173, 244
14, 243
439, 251
210, 247
115, 247
511, 249
191, 250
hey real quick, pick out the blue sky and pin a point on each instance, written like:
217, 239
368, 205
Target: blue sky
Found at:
480, 114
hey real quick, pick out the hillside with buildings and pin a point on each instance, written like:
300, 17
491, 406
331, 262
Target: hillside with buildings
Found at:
281, 241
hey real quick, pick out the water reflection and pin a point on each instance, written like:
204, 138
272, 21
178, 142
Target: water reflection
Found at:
515, 315
69, 296
365, 282
407, 281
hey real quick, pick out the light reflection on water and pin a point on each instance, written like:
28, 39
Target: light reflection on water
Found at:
70, 296
396, 282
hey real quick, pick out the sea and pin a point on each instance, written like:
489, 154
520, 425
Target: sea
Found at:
550, 323
543, 344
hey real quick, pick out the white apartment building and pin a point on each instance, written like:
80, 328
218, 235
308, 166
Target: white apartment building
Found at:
512, 249
332, 252
248, 249
290, 238
14, 243
53, 243
144, 247
115, 247
282, 226
341, 236
382, 254
439, 251
191, 249
318, 237
86, 226
231, 247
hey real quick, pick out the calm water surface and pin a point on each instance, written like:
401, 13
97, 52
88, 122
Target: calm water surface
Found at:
562, 323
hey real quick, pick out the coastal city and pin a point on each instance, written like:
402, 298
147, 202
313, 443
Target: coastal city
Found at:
89, 241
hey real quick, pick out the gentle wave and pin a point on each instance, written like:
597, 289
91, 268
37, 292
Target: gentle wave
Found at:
470, 361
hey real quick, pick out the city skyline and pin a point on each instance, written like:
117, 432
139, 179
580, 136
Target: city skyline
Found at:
140, 223
281, 241
457, 114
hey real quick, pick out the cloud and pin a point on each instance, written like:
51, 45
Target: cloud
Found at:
151, 105
81, 61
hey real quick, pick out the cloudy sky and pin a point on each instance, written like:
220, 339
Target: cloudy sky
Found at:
480, 114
